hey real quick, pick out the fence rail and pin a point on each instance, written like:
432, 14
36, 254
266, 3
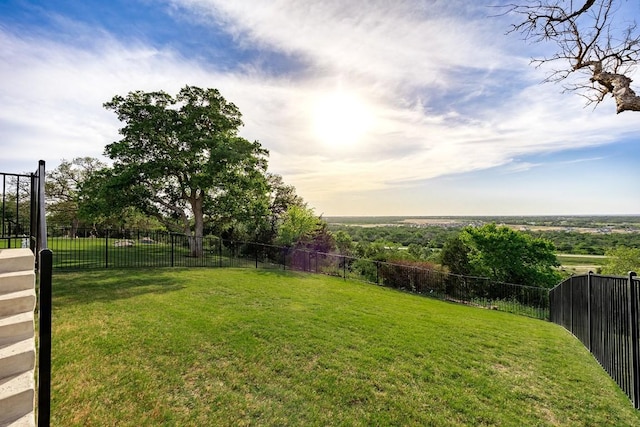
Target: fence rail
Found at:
602, 312
91, 248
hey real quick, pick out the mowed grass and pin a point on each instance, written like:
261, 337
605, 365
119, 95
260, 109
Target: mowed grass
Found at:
88, 253
228, 347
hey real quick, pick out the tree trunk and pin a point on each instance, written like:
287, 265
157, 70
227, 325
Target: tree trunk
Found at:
75, 222
619, 85
196, 239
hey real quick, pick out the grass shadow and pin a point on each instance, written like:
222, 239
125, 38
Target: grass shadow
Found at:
73, 288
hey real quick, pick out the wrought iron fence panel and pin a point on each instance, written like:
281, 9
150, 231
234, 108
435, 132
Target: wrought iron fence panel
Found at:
92, 249
18, 210
23, 225
602, 312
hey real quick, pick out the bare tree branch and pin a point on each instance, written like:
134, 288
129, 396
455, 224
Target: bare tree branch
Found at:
599, 50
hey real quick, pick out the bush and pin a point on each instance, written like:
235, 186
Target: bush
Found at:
414, 276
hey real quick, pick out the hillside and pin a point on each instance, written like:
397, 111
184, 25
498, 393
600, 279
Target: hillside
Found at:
239, 347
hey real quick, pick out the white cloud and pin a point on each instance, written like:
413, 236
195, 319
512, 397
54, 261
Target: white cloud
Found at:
397, 43
52, 94
445, 91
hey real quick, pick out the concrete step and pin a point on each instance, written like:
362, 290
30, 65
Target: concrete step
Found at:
28, 420
17, 342
17, 400
16, 281
17, 302
17, 357
16, 260
16, 328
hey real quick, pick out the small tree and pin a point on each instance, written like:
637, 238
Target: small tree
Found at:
455, 255
506, 255
593, 39
344, 243
281, 197
323, 239
302, 228
621, 260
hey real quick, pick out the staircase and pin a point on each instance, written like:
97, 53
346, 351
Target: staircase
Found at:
17, 343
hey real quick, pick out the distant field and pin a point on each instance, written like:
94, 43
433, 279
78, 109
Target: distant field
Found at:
580, 224
581, 264
225, 347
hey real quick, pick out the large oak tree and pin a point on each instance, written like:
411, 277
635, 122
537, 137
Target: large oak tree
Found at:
182, 158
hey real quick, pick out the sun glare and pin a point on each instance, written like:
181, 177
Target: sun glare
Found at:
341, 119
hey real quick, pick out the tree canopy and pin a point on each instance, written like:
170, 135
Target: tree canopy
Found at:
504, 255
621, 260
182, 158
594, 40
455, 255
63, 189
300, 227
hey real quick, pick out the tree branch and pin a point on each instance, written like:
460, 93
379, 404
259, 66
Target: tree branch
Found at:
589, 39
620, 87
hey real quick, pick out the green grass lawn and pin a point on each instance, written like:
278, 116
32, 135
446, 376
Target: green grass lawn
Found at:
203, 347
98, 253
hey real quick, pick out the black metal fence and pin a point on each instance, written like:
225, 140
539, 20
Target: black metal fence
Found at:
602, 312
17, 210
23, 225
22, 218
91, 248
44, 264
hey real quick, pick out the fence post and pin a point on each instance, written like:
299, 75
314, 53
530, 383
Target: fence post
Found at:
344, 267
41, 234
44, 351
33, 220
633, 319
378, 273
256, 256
589, 308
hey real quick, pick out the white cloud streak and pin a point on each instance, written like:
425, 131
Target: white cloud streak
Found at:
447, 92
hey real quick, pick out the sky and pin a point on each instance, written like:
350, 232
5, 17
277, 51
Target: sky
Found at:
408, 107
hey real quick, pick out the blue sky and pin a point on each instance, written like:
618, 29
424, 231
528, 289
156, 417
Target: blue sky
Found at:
367, 107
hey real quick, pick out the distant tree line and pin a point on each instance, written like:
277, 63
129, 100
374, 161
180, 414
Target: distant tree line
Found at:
573, 242
434, 237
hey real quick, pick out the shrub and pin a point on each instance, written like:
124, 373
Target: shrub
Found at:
414, 276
